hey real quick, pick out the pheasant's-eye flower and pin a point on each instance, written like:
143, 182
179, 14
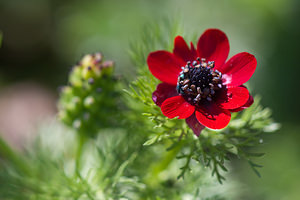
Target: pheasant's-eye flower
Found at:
198, 84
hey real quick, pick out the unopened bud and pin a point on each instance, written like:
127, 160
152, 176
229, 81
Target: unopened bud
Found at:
91, 85
88, 101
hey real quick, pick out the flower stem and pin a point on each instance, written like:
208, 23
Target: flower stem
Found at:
162, 165
78, 156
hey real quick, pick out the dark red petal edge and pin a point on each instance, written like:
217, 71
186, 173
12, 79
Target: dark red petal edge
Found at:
193, 51
194, 124
213, 116
233, 97
246, 105
162, 92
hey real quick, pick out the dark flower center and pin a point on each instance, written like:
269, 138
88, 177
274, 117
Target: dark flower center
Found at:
198, 81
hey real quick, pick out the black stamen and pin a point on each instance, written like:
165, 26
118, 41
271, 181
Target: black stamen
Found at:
199, 82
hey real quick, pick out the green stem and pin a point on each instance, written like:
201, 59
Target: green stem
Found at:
81, 142
153, 175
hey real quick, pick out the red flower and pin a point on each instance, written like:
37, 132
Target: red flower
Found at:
198, 84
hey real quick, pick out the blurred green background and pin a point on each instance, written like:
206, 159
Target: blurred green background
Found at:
43, 38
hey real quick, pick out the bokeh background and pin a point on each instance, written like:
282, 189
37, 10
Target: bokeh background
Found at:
43, 38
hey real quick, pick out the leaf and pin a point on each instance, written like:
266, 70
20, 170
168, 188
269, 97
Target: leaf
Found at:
231, 148
255, 154
272, 127
254, 166
151, 140
121, 169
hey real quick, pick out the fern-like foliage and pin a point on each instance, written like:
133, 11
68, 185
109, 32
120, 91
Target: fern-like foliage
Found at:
115, 165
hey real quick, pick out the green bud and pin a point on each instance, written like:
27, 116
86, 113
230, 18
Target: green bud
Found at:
89, 102
107, 68
75, 76
93, 66
77, 124
63, 116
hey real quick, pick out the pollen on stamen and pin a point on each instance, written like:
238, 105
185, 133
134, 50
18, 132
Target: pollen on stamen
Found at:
199, 82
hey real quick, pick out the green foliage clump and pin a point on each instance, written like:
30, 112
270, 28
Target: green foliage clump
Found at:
90, 101
114, 165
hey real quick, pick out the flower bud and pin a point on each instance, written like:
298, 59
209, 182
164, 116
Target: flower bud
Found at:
89, 102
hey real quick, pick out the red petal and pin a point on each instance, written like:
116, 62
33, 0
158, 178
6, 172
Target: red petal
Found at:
213, 116
234, 97
193, 123
177, 106
214, 46
239, 69
193, 51
162, 92
246, 105
164, 66
181, 49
